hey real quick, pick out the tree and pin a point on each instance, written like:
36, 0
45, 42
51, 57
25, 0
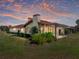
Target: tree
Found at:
4, 28
77, 21
34, 30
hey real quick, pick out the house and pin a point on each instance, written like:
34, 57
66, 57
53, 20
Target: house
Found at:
58, 30
45, 26
17, 28
77, 28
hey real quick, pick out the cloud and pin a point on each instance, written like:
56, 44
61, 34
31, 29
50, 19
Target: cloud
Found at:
2, 22
52, 9
47, 11
9, 0
12, 16
14, 7
17, 7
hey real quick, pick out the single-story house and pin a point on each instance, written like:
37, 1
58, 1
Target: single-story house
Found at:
58, 30
43, 26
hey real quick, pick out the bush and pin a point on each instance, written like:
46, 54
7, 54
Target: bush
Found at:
49, 36
42, 38
34, 30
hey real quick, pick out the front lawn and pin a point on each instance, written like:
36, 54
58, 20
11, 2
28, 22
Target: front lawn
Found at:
10, 45
66, 48
17, 48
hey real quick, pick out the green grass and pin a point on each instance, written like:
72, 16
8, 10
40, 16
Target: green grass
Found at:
15, 48
66, 48
11, 45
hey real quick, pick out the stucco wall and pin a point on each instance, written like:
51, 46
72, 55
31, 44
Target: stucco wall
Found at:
22, 30
51, 28
35, 19
62, 31
13, 30
28, 27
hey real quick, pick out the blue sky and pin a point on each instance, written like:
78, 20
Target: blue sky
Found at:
14, 12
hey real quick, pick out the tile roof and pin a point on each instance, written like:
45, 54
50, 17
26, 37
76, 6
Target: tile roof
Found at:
30, 21
17, 26
41, 22
46, 22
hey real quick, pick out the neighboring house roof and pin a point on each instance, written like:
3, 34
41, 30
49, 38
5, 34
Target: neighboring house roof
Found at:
17, 26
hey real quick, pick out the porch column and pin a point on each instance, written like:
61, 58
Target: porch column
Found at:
55, 32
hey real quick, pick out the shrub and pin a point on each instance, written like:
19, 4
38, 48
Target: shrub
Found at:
37, 39
34, 30
49, 36
42, 38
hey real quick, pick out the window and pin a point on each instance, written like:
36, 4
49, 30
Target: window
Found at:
60, 32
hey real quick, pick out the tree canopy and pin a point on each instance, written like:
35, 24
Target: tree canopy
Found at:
4, 28
77, 21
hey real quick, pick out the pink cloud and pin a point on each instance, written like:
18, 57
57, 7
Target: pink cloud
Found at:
25, 12
12, 16
18, 7
9, 0
54, 10
2, 22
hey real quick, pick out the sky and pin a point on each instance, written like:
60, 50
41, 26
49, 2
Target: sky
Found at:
13, 12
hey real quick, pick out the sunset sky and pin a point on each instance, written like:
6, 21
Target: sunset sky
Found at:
14, 12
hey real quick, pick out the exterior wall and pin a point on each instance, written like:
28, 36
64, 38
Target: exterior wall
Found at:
34, 23
62, 30
51, 28
28, 27
13, 30
58, 35
22, 30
